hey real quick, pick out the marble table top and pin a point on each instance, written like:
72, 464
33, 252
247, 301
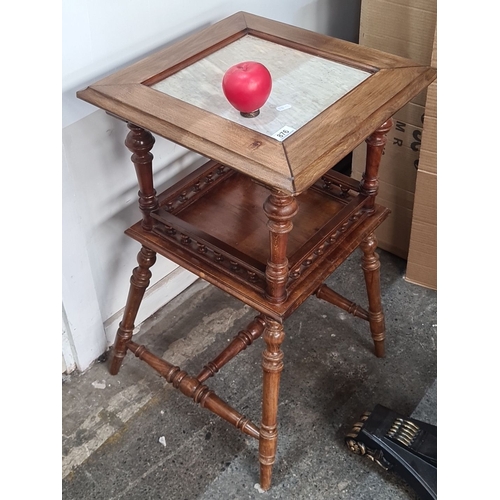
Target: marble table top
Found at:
303, 85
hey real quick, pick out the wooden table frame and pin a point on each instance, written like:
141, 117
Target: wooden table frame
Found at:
303, 247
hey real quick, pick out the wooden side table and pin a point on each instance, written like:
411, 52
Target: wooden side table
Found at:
265, 219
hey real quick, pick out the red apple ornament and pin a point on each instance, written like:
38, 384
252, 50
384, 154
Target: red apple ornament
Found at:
247, 86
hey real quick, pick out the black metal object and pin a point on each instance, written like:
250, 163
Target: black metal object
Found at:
403, 445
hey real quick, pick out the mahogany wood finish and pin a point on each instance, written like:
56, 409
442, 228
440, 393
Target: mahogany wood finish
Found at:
241, 341
194, 389
343, 243
280, 209
230, 221
374, 150
138, 284
326, 293
371, 267
272, 365
140, 142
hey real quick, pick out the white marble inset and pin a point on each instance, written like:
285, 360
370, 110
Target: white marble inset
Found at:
303, 85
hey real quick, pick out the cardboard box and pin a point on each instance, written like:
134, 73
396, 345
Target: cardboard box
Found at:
404, 28
422, 256
407, 29
421, 267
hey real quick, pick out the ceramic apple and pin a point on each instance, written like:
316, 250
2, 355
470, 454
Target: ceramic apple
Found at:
247, 86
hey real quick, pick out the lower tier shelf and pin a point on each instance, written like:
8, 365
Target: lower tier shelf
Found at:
212, 223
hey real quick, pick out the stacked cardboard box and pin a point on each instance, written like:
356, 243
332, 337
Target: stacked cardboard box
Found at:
422, 256
407, 29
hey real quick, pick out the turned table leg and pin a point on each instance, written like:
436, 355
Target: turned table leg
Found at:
374, 149
272, 365
140, 142
371, 268
280, 209
139, 281
370, 261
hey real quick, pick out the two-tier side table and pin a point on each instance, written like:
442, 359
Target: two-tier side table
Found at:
266, 219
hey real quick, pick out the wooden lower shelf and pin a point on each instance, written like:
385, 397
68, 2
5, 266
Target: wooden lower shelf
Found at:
213, 224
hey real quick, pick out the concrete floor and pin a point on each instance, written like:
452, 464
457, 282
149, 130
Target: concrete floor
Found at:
133, 437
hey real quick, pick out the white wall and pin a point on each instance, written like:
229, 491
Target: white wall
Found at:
99, 184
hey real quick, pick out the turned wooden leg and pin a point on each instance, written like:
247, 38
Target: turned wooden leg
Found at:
140, 142
280, 208
138, 284
272, 365
374, 149
371, 267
